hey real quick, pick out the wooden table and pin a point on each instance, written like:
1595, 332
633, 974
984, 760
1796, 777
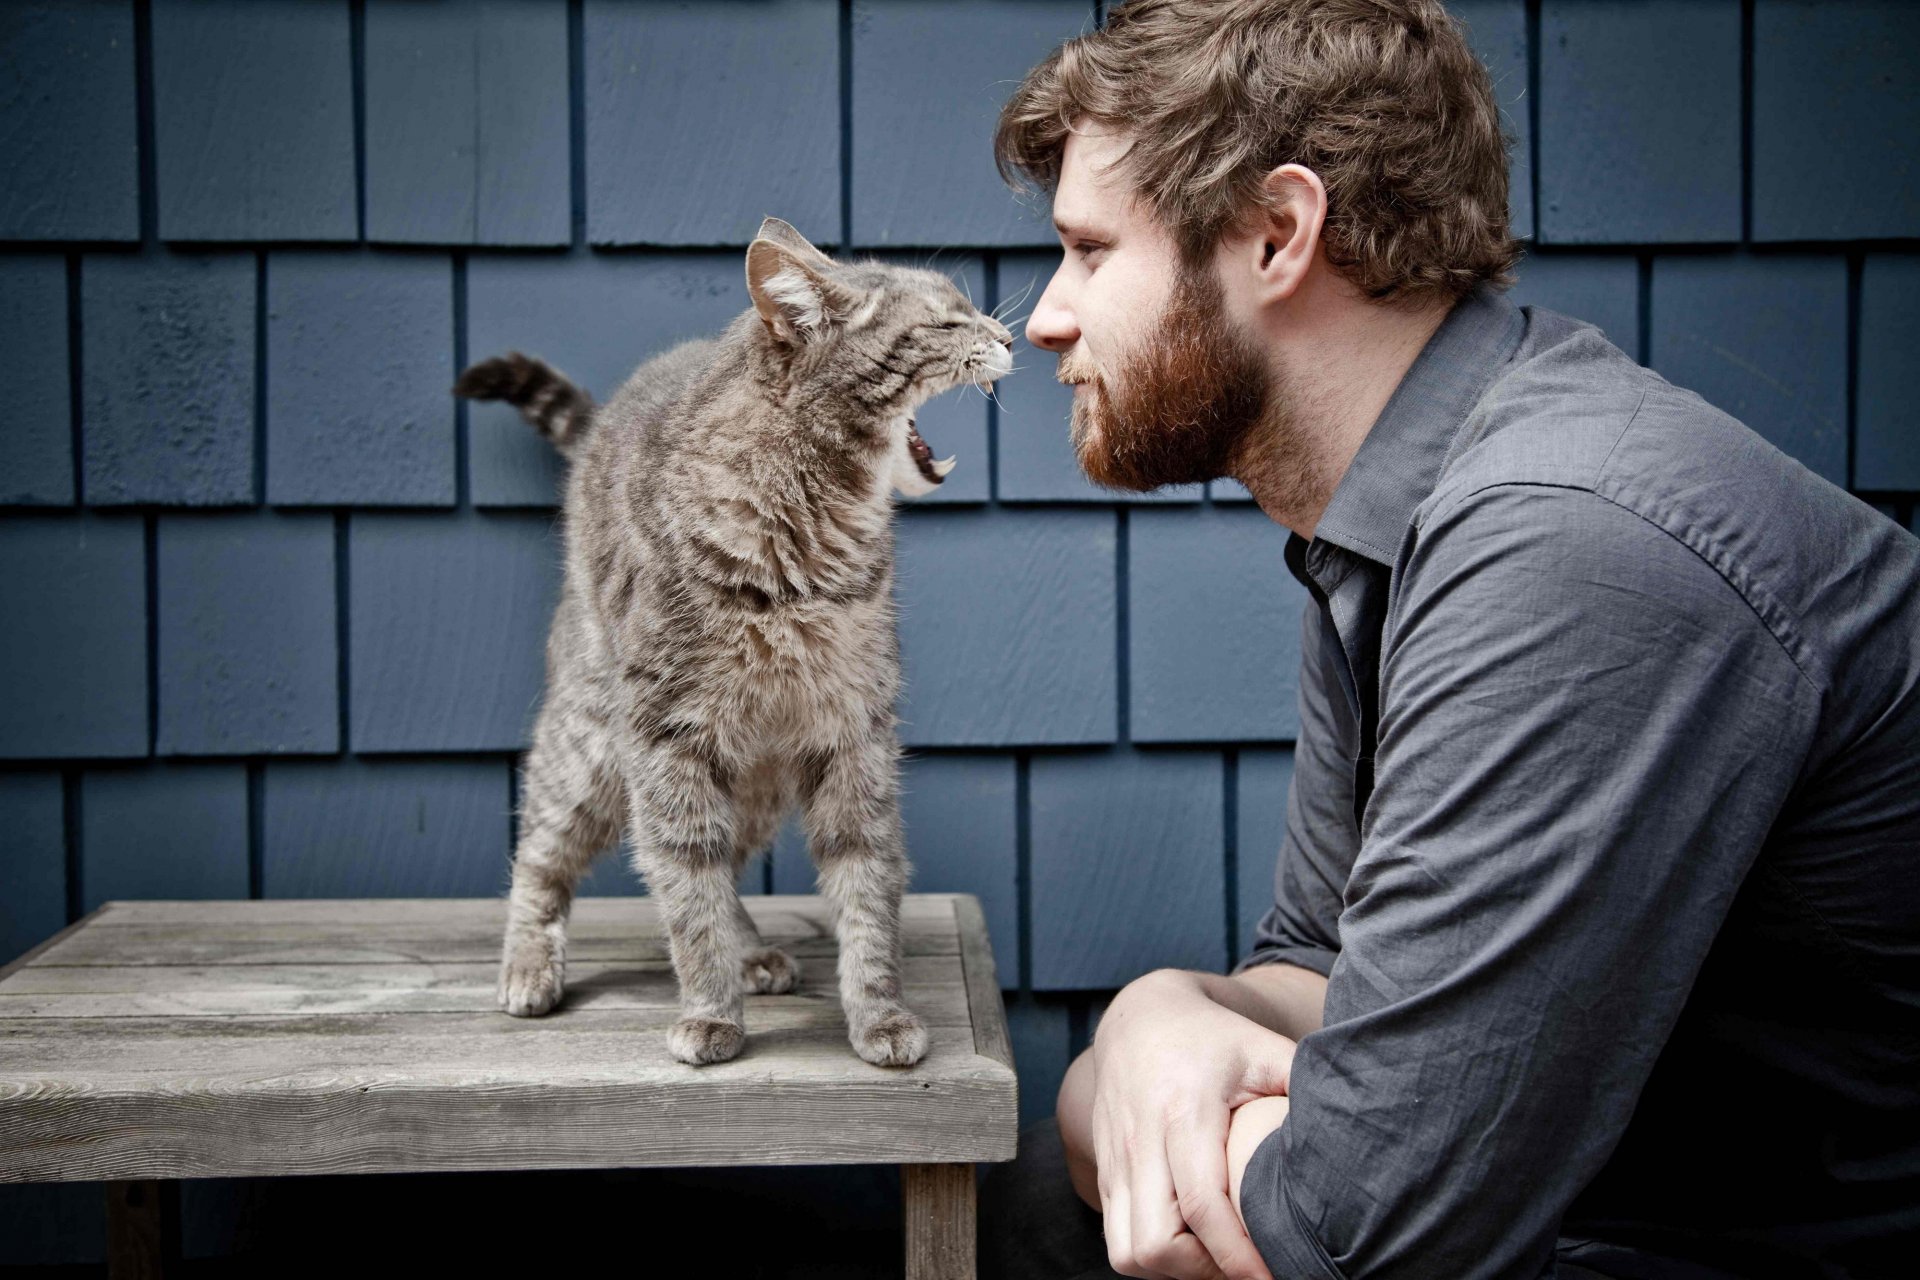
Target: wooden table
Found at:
158, 1040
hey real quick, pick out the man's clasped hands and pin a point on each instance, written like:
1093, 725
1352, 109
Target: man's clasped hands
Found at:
1188, 1073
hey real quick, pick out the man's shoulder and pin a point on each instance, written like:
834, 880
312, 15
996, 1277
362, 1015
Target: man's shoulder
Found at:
1574, 411
1557, 415
1575, 425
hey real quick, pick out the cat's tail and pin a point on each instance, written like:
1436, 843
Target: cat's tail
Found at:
557, 408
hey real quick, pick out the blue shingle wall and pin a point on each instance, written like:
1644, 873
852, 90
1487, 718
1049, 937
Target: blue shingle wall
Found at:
272, 604
359, 359
34, 364
68, 140
467, 138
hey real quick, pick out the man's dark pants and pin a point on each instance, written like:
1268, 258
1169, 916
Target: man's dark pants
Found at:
1032, 1224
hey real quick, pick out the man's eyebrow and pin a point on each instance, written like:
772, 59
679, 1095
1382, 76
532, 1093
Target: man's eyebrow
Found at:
1067, 227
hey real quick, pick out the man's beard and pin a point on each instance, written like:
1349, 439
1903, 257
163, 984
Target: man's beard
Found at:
1182, 402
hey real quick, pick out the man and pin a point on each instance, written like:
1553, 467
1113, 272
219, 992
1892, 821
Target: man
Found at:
1595, 946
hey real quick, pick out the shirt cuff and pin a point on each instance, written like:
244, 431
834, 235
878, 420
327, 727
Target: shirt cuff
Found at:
1273, 1221
1318, 959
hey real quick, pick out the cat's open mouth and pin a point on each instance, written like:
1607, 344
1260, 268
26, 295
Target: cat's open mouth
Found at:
923, 459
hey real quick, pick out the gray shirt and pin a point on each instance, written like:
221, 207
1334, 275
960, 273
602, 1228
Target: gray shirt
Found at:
1605, 829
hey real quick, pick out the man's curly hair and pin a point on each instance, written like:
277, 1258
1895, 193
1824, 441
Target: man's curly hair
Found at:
1382, 98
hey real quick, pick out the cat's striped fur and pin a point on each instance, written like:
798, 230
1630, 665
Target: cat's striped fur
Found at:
724, 648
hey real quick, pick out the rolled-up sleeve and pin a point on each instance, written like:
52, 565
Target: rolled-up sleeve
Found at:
1321, 838
1585, 736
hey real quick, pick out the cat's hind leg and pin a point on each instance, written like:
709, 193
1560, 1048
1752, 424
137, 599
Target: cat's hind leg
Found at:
858, 845
571, 806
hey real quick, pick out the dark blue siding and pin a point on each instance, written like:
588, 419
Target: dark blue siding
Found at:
1127, 867
1215, 619
1007, 627
169, 830
253, 120
1887, 450
1498, 32
1265, 774
1639, 121
73, 610
168, 375
704, 118
36, 423
963, 835
1040, 1030
32, 813
467, 128
923, 127
1723, 326
359, 378
447, 623
68, 145
246, 659
1836, 119
385, 829
595, 319
1602, 289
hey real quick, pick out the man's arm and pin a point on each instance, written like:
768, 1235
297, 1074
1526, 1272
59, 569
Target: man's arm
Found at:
1320, 839
1585, 737
1279, 996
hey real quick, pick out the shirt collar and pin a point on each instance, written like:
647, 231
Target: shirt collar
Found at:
1400, 460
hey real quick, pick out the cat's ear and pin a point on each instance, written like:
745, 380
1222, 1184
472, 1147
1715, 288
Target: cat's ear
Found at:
782, 233
793, 294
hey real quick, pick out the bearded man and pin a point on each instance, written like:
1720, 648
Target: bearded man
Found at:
1595, 944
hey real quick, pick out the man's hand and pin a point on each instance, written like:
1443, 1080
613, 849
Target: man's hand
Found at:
1171, 1065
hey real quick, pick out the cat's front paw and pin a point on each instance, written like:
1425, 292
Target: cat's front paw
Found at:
898, 1039
531, 979
771, 972
702, 1040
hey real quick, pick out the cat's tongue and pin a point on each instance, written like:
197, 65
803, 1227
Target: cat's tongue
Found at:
922, 453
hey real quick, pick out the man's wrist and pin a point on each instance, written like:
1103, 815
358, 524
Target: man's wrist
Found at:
1281, 997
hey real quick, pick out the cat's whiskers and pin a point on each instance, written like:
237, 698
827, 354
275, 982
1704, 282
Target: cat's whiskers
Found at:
1014, 302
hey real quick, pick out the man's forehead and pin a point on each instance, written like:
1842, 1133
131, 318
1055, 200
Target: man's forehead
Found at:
1091, 196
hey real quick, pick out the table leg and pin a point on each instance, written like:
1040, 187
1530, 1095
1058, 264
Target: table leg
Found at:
143, 1224
939, 1200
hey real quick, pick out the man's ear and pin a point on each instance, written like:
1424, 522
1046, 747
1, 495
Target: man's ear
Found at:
782, 233
792, 292
1285, 233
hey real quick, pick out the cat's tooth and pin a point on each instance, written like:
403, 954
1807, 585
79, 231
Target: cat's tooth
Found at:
944, 465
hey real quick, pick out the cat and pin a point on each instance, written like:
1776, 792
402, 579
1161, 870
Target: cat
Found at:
724, 648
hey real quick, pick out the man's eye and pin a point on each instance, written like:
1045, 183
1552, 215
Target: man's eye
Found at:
1084, 247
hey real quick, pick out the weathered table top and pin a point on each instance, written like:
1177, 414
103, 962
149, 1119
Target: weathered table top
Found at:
203, 1039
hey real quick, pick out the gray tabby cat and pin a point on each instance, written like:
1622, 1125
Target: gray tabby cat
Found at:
724, 646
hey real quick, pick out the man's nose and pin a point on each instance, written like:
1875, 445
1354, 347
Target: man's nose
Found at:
1052, 328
